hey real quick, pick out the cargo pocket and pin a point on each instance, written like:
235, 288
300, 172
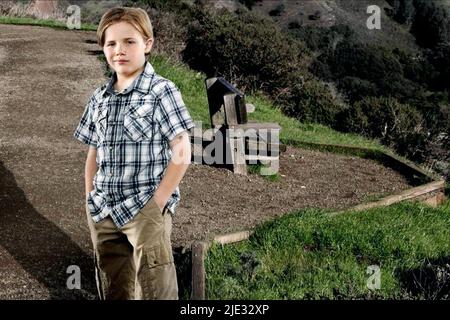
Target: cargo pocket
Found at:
159, 279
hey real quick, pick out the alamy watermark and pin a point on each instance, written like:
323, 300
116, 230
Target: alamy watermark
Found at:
374, 280
374, 21
74, 18
74, 280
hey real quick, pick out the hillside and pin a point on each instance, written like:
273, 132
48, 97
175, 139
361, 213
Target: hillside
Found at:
327, 13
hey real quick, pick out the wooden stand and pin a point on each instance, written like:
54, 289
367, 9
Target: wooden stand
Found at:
245, 141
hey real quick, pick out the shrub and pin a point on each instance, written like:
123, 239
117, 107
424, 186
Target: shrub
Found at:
311, 101
246, 49
364, 61
357, 89
397, 125
169, 33
416, 68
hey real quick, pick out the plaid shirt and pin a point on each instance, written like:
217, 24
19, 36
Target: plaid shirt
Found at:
131, 131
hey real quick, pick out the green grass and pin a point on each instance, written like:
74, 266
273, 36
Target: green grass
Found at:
43, 23
310, 255
192, 86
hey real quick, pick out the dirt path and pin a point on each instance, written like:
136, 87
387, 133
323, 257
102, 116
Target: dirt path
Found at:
46, 78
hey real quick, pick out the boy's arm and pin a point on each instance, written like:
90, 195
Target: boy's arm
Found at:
90, 169
180, 161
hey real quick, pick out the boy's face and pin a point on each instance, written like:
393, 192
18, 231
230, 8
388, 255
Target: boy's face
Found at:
125, 49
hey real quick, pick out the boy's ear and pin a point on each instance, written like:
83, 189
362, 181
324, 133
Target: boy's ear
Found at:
148, 46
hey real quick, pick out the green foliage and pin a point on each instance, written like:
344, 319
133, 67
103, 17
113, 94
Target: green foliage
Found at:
247, 50
364, 61
416, 68
357, 89
396, 125
310, 102
362, 69
41, 22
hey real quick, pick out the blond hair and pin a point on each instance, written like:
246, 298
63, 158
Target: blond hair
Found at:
137, 17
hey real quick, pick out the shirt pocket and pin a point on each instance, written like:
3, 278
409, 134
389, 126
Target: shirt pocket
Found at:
100, 122
137, 127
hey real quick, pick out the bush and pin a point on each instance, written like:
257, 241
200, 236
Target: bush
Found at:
244, 48
357, 89
310, 102
169, 33
397, 125
364, 61
416, 68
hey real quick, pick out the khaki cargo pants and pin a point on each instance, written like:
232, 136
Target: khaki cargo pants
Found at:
135, 262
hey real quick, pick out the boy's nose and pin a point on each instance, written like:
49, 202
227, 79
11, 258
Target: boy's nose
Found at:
119, 49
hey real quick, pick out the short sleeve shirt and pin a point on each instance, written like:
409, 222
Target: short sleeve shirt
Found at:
131, 131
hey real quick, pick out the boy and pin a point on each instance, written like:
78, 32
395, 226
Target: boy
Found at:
139, 150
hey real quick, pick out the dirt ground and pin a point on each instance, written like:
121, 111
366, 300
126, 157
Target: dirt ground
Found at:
46, 78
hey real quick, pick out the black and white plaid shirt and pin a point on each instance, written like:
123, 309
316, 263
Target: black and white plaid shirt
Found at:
131, 131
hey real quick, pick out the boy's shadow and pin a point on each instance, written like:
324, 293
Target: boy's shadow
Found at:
40, 247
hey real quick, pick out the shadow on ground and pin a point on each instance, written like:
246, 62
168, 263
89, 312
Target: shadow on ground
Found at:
40, 247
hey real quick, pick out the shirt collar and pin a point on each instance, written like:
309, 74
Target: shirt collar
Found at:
141, 83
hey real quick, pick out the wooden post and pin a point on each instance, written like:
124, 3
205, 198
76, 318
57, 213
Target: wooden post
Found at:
199, 249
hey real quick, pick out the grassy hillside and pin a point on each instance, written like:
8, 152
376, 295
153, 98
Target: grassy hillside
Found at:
309, 255
44, 23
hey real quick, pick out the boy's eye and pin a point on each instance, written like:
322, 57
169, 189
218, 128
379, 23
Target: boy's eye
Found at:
130, 41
